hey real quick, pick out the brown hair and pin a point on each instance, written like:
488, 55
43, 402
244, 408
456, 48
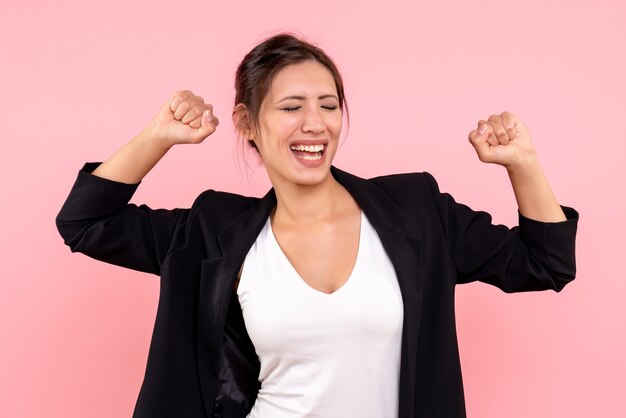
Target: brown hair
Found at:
258, 68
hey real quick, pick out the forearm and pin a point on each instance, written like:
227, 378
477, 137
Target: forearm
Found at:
534, 195
133, 161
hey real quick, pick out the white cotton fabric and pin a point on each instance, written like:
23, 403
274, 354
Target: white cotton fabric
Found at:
323, 355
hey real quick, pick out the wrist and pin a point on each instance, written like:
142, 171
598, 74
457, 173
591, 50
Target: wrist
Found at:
151, 139
524, 167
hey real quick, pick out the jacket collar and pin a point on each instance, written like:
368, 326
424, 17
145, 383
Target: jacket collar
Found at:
380, 210
241, 233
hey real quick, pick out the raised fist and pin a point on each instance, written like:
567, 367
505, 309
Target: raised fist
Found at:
503, 139
183, 119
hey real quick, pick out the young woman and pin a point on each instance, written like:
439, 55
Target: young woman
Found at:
333, 295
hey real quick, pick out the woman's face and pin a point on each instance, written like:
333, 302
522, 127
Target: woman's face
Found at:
299, 125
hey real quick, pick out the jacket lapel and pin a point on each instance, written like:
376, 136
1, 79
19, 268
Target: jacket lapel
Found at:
217, 278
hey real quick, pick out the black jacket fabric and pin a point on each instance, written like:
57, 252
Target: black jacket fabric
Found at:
201, 361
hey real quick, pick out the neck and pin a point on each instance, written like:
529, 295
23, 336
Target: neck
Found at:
306, 204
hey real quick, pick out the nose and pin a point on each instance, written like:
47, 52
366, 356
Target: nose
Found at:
313, 120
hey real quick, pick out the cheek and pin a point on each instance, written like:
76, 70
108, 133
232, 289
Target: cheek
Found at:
273, 136
335, 125
279, 128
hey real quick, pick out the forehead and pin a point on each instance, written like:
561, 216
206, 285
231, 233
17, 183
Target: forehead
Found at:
305, 78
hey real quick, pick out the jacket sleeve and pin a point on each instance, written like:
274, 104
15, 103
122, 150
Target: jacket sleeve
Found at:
97, 220
532, 256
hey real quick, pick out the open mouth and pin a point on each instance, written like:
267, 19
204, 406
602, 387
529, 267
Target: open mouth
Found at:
308, 152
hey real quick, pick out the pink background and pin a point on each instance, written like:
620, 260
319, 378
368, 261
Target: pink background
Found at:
80, 78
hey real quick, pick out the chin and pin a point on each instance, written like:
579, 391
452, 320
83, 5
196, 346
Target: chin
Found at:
311, 177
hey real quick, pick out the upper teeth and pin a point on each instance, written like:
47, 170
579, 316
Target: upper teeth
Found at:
308, 148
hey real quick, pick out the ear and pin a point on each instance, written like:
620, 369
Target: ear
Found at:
242, 122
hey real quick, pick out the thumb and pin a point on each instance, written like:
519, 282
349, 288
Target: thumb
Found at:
208, 125
478, 139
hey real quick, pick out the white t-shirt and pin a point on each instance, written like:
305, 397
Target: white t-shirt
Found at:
323, 355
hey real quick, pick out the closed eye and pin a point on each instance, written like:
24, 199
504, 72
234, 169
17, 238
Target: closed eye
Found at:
291, 108
329, 107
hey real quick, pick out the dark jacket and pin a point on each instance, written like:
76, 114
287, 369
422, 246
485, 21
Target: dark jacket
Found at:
201, 361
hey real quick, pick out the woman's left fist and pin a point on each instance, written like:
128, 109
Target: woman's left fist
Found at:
503, 139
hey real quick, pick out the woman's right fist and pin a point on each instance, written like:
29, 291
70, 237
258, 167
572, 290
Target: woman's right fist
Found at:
183, 119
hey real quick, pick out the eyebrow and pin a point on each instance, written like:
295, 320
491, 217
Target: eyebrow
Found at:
325, 96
